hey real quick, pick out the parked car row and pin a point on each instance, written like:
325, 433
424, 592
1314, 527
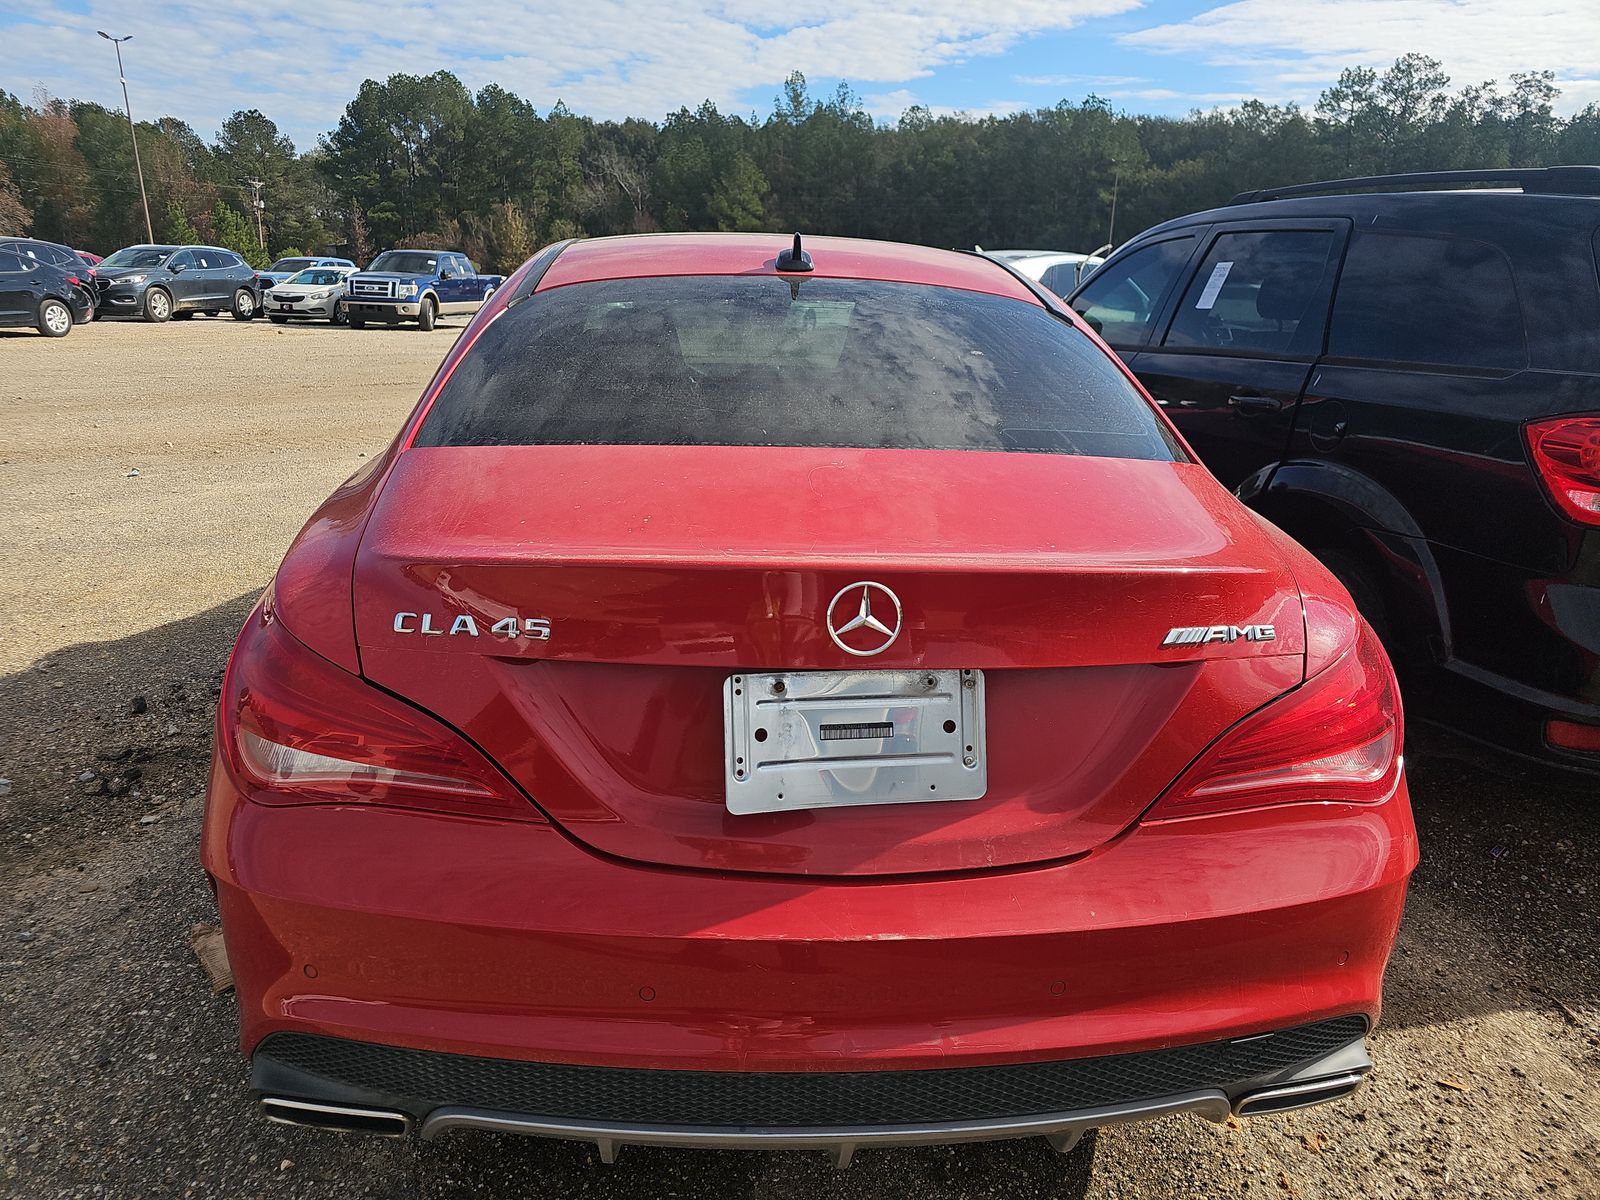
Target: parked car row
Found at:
1372, 372
55, 287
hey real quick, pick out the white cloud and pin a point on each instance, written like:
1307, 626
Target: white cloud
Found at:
892, 105
1295, 49
1168, 94
1090, 81
302, 60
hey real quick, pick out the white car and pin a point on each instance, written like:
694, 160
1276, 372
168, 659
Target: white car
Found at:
316, 293
1058, 270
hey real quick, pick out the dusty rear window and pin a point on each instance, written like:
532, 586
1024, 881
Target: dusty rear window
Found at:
767, 361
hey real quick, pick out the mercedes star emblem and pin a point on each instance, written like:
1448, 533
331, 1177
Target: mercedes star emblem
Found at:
871, 595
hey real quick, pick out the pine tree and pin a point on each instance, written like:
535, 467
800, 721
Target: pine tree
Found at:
177, 228
231, 231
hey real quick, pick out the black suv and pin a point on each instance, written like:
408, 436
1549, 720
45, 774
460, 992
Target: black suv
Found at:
33, 292
1408, 383
159, 283
64, 258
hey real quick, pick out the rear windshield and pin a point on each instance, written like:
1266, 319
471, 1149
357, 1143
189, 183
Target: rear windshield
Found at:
405, 262
317, 277
767, 361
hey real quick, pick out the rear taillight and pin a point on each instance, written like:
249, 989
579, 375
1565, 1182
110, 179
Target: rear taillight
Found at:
1566, 454
1334, 739
1569, 735
296, 729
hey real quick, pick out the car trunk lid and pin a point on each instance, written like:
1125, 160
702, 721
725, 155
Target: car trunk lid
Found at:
578, 611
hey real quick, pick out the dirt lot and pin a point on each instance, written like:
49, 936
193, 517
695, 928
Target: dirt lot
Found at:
119, 1073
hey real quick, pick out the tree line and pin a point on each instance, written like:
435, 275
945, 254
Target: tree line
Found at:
422, 161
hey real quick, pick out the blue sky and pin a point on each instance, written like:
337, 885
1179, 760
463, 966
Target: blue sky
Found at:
300, 61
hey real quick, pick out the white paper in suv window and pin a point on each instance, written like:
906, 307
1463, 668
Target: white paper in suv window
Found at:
1219, 276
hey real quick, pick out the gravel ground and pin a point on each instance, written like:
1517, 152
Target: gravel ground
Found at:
119, 1071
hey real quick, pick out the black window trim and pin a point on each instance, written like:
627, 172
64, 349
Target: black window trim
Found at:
1419, 367
1339, 226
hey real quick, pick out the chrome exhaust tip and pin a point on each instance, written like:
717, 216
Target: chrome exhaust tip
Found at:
341, 1117
1285, 1097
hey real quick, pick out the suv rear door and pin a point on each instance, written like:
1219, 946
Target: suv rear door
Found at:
215, 276
1425, 387
1237, 346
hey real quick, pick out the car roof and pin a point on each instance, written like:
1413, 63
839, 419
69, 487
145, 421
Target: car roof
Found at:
1465, 208
637, 256
1020, 255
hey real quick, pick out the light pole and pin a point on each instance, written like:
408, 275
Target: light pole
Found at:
1116, 183
149, 230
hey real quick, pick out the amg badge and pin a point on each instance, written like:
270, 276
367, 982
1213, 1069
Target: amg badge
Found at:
1199, 635
465, 624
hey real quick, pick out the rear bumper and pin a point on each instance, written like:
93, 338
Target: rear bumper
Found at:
505, 940
335, 1083
1525, 651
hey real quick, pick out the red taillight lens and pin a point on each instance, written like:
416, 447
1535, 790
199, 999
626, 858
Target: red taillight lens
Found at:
1569, 735
297, 729
1566, 454
1336, 738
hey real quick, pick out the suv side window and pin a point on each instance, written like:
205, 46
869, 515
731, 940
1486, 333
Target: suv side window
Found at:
1260, 292
183, 258
12, 264
1422, 298
1122, 298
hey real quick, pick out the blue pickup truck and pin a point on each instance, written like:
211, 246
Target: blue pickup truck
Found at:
417, 285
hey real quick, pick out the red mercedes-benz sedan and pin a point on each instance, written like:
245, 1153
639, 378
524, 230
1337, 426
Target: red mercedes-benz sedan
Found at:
799, 696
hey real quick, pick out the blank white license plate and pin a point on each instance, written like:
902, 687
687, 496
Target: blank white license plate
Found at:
828, 739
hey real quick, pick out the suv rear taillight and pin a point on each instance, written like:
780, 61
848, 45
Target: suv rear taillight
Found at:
296, 729
1566, 454
1334, 739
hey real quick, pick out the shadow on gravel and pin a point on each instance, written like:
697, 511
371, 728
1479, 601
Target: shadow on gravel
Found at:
1502, 916
78, 709
1504, 905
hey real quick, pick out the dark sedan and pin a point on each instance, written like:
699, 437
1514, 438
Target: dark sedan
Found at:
38, 294
160, 283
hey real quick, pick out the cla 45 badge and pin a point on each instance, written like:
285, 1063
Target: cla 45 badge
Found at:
537, 628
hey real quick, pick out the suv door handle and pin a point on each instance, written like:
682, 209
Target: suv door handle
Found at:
1256, 404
